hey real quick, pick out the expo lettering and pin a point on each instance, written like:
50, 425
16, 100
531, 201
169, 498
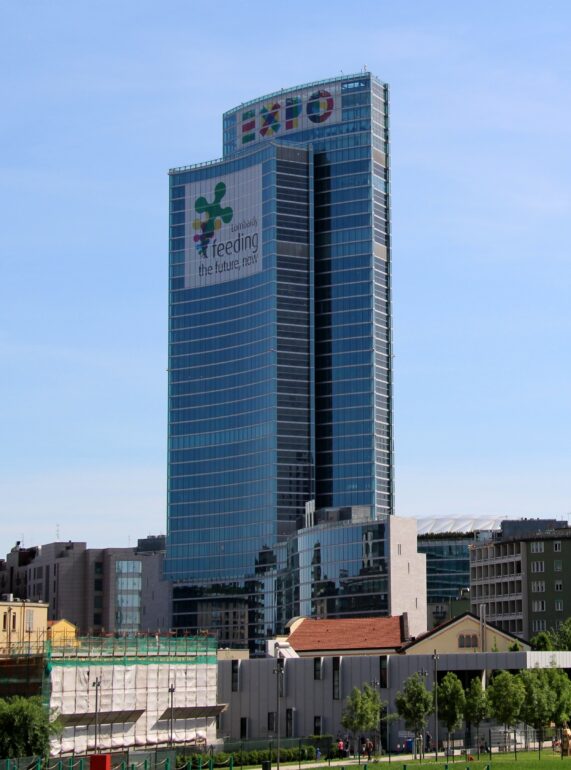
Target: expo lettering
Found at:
273, 115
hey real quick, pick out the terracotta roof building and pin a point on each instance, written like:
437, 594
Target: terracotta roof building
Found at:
348, 636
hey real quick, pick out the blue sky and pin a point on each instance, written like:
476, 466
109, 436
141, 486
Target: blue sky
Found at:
100, 99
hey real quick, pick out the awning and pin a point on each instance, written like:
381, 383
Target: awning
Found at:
103, 717
193, 712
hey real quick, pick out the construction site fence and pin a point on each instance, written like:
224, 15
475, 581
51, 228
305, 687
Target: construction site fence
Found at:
112, 646
487, 740
186, 757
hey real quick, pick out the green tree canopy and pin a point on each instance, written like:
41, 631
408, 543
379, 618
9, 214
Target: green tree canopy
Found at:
539, 704
506, 695
362, 710
560, 685
543, 641
476, 707
414, 703
25, 728
451, 702
562, 637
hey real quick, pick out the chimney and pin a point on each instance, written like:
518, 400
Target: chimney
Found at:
404, 632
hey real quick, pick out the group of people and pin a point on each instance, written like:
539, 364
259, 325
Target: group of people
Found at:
345, 749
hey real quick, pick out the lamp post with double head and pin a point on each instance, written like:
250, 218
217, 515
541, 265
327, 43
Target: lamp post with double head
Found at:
97, 685
171, 695
435, 659
279, 672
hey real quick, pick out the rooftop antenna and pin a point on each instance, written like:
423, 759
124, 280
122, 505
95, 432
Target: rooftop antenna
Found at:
364, 67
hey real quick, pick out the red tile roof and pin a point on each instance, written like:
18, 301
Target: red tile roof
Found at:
347, 634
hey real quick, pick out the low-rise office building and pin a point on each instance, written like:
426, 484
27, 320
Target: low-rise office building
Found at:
518, 580
99, 590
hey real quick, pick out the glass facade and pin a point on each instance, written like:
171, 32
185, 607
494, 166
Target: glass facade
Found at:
447, 564
128, 588
280, 362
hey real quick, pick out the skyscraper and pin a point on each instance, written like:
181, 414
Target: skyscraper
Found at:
280, 384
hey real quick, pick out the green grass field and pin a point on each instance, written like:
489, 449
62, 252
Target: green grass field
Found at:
526, 760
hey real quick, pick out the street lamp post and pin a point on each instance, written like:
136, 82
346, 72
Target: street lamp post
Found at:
171, 694
279, 672
97, 685
377, 685
424, 674
435, 658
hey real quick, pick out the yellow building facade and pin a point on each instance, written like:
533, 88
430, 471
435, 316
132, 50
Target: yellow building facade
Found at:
464, 634
23, 627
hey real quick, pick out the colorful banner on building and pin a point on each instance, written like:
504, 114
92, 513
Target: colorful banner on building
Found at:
278, 115
223, 228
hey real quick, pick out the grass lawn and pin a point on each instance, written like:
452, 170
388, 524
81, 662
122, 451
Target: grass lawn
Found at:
526, 760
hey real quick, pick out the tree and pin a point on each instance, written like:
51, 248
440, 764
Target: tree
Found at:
562, 637
25, 728
540, 700
414, 704
543, 641
476, 707
561, 687
362, 711
506, 695
451, 701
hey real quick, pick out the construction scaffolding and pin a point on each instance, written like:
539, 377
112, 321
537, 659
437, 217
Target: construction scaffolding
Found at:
113, 694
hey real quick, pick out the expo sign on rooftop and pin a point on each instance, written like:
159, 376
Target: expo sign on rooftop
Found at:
292, 112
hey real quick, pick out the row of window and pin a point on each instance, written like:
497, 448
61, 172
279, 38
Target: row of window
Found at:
539, 546
539, 566
538, 586
540, 605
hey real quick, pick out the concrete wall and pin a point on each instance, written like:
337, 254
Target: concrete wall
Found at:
256, 694
156, 610
407, 584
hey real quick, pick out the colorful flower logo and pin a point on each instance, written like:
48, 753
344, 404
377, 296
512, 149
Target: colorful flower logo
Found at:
210, 218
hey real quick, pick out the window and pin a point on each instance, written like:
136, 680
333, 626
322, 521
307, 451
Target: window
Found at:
243, 728
557, 565
317, 725
557, 546
336, 694
399, 549
538, 566
538, 605
317, 665
539, 625
559, 605
4, 621
271, 721
13, 621
280, 664
467, 640
383, 679
537, 547
537, 586
559, 585
234, 675
289, 723
29, 621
